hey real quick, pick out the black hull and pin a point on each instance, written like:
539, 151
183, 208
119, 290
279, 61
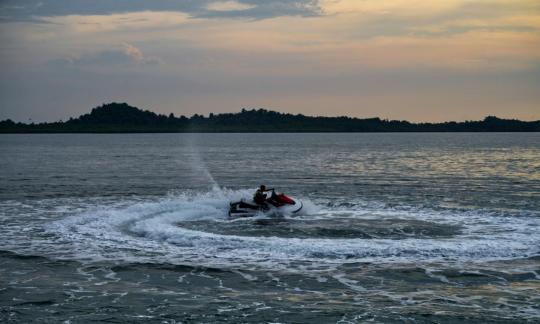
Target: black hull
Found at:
242, 209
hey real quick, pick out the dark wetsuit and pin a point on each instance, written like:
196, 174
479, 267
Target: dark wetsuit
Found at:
259, 197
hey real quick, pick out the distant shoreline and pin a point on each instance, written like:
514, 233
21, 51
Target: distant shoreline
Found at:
120, 118
270, 132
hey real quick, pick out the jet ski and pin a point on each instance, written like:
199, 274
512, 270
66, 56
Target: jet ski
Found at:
277, 204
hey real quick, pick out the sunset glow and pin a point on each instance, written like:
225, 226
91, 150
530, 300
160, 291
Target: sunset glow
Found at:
417, 60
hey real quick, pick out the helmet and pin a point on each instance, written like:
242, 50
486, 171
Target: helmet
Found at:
263, 187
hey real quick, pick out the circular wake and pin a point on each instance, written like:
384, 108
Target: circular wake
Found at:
193, 229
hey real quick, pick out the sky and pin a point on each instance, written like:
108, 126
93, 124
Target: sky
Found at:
414, 60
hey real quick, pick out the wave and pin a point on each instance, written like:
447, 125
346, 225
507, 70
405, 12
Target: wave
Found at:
181, 229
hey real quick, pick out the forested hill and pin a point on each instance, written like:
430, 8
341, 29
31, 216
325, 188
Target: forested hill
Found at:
122, 118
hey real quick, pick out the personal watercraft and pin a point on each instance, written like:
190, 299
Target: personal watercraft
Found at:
279, 204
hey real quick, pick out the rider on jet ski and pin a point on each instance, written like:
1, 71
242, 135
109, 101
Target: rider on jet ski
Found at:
276, 204
260, 197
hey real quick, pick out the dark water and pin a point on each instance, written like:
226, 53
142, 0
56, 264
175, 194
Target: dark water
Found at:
396, 228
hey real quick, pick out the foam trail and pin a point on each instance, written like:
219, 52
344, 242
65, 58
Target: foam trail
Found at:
180, 230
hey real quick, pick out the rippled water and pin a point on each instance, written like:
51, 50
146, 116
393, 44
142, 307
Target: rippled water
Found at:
396, 227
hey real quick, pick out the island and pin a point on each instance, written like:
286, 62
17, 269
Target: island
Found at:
123, 118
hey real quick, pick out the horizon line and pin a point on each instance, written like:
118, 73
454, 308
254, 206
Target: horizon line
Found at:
248, 109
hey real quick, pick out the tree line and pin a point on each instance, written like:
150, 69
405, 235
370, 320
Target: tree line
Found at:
123, 118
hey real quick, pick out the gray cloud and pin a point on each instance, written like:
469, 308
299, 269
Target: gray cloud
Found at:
34, 10
126, 55
266, 9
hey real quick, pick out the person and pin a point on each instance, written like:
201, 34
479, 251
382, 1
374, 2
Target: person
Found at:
260, 197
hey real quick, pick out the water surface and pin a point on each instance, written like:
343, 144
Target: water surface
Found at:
396, 227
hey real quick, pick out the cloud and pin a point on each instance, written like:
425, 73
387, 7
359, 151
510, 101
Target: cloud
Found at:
145, 20
228, 6
126, 55
33, 10
138, 57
